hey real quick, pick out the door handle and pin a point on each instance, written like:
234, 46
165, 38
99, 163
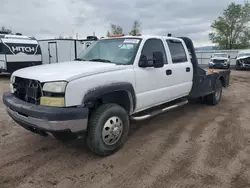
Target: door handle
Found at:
188, 69
168, 72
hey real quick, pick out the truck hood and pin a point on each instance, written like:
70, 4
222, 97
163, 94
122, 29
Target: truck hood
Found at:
66, 71
243, 57
219, 58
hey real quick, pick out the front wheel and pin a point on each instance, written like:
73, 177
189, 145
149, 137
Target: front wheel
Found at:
108, 129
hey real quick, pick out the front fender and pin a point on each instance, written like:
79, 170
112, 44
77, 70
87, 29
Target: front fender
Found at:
96, 92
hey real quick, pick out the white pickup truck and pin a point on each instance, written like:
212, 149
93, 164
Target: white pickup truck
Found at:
115, 80
220, 60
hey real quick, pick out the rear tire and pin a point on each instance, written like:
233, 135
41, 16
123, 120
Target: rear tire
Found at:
108, 129
215, 98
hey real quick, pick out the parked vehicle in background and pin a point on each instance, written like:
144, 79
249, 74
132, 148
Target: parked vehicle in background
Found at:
220, 60
17, 51
243, 60
61, 50
114, 80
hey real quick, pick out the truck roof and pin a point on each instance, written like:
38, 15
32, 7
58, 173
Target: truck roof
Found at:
142, 37
220, 53
10, 36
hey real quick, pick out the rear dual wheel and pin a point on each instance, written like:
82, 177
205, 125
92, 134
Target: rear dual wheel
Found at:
215, 98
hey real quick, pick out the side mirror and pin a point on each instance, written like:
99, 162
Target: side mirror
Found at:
229, 57
143, 62
158, 59
156, 62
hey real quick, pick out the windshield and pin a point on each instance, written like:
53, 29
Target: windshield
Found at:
244, 54
116, 50
220, 55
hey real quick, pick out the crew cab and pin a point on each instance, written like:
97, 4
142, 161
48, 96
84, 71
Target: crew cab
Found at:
220, 60
243, 60
115, 80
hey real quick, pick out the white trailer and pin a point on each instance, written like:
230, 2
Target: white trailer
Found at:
17, 51
61, 50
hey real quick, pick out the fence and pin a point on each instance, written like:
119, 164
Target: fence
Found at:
205, 55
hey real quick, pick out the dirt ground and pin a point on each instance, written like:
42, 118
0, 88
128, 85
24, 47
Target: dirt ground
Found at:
193, 146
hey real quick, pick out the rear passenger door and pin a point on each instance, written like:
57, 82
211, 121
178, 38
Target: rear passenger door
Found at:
181, 66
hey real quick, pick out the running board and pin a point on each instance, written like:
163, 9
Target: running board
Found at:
159, 111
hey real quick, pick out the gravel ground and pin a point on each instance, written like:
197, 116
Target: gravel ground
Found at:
193, 146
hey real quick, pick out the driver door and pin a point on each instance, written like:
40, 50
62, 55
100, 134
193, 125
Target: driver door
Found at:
152, 84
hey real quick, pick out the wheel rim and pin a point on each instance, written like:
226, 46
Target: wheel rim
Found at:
218, 92
112, 130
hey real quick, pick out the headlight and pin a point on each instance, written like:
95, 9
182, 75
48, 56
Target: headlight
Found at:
12, 79
54, 94
55, 87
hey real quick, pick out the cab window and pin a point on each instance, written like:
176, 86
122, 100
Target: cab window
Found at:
177, 51
153, 45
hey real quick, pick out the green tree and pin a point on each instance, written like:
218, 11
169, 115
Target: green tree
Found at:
108, 34
4, 29
116, 29
136, 28
231, 30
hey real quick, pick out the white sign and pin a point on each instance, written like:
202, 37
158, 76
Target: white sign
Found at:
135, 41
23, 49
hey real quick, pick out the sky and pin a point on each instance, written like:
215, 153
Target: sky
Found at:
52, 18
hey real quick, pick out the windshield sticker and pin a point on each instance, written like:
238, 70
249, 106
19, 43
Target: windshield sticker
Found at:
131, 41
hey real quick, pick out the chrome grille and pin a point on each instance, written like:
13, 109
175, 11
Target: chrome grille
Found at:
218, 61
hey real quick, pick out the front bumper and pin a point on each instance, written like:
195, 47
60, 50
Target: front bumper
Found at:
43, 119
244, 66
219, 65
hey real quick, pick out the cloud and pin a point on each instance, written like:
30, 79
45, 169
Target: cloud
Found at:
51, 18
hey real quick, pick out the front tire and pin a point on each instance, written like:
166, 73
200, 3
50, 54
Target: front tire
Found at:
215, 98
108, 129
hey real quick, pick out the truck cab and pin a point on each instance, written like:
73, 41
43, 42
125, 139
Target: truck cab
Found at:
115, 80
220, 60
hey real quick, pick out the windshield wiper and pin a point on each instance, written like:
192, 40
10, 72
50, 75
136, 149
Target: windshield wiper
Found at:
101, 60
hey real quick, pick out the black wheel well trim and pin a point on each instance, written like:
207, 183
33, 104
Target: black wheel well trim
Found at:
95, 93
223, 80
